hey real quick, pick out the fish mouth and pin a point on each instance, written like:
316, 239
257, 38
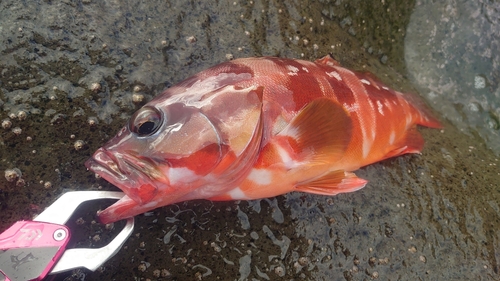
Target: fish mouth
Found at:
127, 172
122, 209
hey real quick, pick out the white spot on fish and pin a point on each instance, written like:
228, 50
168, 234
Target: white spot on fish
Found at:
392, 136
285, 158
260, 176
409, 119
385, 88
279, 125
334, 74
374, 126
351, 107
305, 69
364, 81
380, 107
370, 102
151, 204
293, 70
367, 145
237, 193
176, 175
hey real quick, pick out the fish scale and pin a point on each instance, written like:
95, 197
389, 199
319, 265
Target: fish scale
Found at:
256, 128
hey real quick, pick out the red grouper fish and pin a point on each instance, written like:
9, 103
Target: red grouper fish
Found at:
255, 128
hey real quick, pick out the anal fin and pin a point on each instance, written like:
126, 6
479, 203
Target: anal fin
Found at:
332, 183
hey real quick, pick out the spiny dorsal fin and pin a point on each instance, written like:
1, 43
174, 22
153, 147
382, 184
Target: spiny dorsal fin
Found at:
319, 133
328, 60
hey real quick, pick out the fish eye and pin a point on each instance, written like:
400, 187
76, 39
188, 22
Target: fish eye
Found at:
145, 121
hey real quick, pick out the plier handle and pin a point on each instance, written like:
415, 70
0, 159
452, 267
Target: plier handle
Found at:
31, 250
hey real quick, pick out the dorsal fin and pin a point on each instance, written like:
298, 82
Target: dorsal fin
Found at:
328, 60
319, 134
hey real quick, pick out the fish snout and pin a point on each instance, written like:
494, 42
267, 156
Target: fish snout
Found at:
125, 172
102, 159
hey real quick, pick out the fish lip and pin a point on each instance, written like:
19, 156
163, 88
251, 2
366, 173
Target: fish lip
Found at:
111, 214
100, 162
98, 166
123, 175
124, 208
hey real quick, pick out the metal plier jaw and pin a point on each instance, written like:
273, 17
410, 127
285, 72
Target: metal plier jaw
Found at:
30, 250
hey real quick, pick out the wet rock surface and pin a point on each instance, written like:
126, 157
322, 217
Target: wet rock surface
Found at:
71, 73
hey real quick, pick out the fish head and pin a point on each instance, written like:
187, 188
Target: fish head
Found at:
158, 148
181, 143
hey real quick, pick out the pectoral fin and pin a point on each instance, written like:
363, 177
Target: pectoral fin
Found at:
319, 134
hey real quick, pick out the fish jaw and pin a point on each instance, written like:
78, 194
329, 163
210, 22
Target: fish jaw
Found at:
124, 208
111, 166
145, 185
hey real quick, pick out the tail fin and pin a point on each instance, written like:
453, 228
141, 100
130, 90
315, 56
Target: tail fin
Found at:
426, 117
